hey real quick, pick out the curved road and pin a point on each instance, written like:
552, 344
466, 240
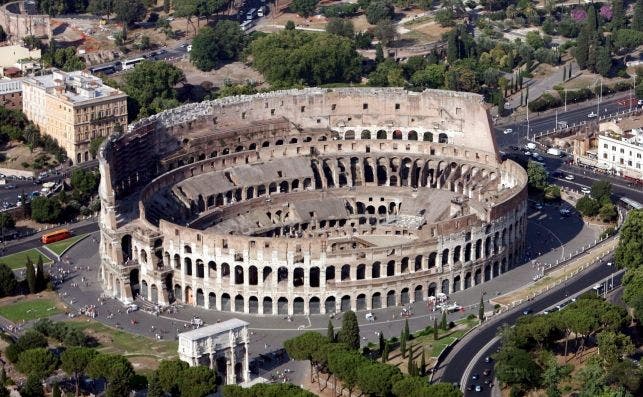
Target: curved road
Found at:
456, 363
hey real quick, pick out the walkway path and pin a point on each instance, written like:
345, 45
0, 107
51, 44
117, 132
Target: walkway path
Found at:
537, 86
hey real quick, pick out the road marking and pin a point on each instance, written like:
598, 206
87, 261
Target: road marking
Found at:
474, 361
562, 246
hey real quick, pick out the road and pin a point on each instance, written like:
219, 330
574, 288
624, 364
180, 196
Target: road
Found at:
12, 247
456, 363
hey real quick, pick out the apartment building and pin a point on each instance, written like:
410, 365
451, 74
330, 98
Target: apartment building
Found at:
74, 108
620, 147
11, 93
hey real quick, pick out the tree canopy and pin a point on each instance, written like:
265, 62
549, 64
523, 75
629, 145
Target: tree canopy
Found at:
629, 252
305, 8
294, 57
39, 362
212, 46
349, 333
151, 86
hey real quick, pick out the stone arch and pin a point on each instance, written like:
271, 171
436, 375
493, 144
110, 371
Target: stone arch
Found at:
239, 303
361, 272
443, 138
467, 280
267, 305
200, 298
376, 301
143, 290
314, 306
375, 270
282, 306
390, 269
225, 302
418, 294
178, 292
390, 299
381, 134
366, 134
345, 303
126, 247
154, 294
412, 135
433, 289
360, 302
212, 300
477, 276
253, 275
298, 305
350, 134
445, 287
405, 299
238, 275
188, 296
253, 305
330, 305
427, 137
187, 262
200, 269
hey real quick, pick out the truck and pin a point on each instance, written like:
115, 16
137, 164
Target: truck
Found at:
553, 151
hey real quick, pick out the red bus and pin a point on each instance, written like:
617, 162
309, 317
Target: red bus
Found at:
55, 236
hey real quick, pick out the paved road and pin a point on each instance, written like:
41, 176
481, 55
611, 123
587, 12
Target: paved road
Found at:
456, 363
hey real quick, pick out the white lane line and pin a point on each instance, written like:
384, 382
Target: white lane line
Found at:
562, 246
474, 361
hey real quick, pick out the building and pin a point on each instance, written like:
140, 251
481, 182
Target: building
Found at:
222, 346
74, 108
312, 201
15, 55
11, 93
620, 147
20, 19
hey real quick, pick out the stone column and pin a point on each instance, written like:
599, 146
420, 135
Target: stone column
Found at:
246, 364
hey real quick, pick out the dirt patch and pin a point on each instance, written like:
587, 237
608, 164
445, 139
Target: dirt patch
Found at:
429, 30
590, 80
236, 72
16, 154
144, 364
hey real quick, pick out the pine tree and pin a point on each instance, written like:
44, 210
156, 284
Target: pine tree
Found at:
443, 325
564, 72
618, 16
382, 342
40, 275
350, 330
3, 376
31, 276
637, 19
166, 6
592, 20
581, 52
570, 71
592, 55
379, 53
330, 332
522, 98
603, 61
406, 328
481, 310
422, 365
435, 329
403, 344
154, 388
56, 391
409, 363
385, 352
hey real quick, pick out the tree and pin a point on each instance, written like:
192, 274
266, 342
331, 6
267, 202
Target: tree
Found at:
553, 374
212, 46
55, 392
603, 61
377, 379
32, 387
330, 332
633, 289
385, 31
629, 252
618, 15
305, 8
341, 27
31, 276
435, 329
45, 210
116, 370
304, 346
100, 7
40, 275
591, 378
587, 206
422, 363
443, 322
430, 77
151, 86
379, 53
581, 52
378, 10
295, 57
350, 330
75, 360
167, 373
602, 191
403, 344
381, 342
627, 39
481, 310
154, 388
8, 281
345, 365
536, 175
32, 42
613, 346
197, 381
290, 25
637, 19
516, 367
39, 362
406, 328
385, 353
6, 221
608, 212
129, 11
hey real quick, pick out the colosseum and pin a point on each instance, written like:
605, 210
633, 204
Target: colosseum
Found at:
309, 201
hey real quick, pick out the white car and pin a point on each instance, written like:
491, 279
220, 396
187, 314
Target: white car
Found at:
569, 177
585, 190
507, 131
527, 153
592, 115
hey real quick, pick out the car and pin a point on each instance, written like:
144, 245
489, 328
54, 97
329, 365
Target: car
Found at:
486, 372
527, 153
488, 359
487, 381
585, 190
527, 312
609, 263
470, 387
478, 388
569, 177
475, 376
514, 148
507, 131
538, 206
592, 115
9, 187
536, 277
562, 124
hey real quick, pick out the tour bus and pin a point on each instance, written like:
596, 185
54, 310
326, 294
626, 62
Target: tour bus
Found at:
55, 236
251, 14
261, 11
247, 25
130, 63
105, 69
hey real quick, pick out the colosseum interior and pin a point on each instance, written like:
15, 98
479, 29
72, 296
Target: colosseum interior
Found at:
309, 202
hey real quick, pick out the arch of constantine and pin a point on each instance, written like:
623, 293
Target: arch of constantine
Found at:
309, 201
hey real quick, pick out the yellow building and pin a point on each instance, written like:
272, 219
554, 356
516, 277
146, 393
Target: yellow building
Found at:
74, 108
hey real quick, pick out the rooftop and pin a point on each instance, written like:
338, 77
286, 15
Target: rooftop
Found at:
214, 329
76, 87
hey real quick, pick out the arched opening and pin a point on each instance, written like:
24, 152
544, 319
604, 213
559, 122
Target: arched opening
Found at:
154, 294
390, 269
134, 282
445, 287
238, 304
366, 134
200, 269
187, 263
188, 296
178, 292
253, 305
330, 305
413, 136
360, 302
267, 305
225, 302
298, 278
361, 272
375, 270
200, 298
427, 137
126, 247
350, 134
443, 138
404, 296
212, 300
330, 273
433, 287
397, 135
313, 277
345, 304
390, 299
417, 294
313, 305
456, 284
298, 305
282, 306
345, 273
376, 301
143, 290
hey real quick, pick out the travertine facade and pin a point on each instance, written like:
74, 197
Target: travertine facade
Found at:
311, 201
74, 108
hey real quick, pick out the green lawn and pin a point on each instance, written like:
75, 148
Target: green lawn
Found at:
60, 246
443, 342
111, 340
18, 260
29, 310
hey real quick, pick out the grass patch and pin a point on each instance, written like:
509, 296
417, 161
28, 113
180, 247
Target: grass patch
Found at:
18, 260
443, 342
60, 246
29, 310
115, 341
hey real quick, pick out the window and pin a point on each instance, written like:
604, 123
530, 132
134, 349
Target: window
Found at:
303, 109
604, 155
397, 106
605, 146
614, 148
629, 162
622, 150
333, 106
365, 106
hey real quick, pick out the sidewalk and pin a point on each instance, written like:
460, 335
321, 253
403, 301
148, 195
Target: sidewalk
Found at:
557, 276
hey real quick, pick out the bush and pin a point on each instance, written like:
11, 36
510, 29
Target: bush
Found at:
588, 206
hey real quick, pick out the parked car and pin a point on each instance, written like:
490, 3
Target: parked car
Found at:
592, 115
585, 190
569, 177
507, 131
